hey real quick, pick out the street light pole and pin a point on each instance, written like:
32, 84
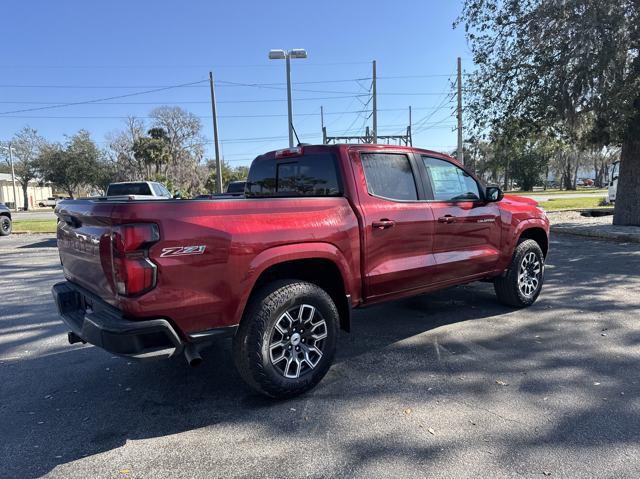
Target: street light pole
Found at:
289, 107
287, 56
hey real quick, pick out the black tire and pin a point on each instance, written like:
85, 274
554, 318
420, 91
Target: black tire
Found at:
5, 226
508, 288
257, 335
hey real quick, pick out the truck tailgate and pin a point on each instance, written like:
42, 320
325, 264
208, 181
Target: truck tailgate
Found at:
83, 232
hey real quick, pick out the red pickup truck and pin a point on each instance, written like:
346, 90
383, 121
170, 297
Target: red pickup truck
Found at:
320, 230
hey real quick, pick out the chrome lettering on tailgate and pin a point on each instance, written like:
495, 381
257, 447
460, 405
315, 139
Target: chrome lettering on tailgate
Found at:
182, 251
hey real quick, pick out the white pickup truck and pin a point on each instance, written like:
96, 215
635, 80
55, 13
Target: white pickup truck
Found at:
613, 182
144, 190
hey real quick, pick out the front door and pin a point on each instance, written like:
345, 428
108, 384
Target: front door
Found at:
398, 224
467, 229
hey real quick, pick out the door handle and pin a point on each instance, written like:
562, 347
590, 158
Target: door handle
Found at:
383, 224
447, 219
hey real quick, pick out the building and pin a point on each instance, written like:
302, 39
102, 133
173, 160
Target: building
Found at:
36, 192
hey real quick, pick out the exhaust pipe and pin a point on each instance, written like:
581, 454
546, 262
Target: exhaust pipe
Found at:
192, 355
73, 338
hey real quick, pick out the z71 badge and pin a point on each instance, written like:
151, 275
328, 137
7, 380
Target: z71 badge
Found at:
182, 251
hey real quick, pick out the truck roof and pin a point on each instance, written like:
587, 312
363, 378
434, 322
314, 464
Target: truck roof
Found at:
367, 147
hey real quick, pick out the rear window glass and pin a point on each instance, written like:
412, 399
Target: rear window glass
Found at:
308, 175
128, 189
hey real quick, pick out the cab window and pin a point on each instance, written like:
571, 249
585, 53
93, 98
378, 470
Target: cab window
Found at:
389, 175
449, 182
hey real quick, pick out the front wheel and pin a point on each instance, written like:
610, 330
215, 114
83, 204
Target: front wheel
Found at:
522, 282
287, 338
5, 226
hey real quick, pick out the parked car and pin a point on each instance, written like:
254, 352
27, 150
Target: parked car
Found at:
5, 220
52, 201
613, 182
139, 190
322, 229
236, 188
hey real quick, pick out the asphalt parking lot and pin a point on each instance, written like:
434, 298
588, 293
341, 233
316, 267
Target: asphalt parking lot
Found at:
444, 385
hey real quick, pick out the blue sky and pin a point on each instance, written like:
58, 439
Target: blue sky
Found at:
70, 51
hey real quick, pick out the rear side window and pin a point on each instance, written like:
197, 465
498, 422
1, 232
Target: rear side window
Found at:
308, 175
450, 183
389, 175
128, 189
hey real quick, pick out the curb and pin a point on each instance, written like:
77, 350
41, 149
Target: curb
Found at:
586, 232
580, 210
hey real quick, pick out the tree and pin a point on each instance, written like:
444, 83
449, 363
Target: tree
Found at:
185, 147
562, 63
153, 150
26, 145
120, 154
72, 165
229, 174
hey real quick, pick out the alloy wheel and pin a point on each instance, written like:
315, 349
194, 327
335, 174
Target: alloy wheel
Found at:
529, 274
297, 341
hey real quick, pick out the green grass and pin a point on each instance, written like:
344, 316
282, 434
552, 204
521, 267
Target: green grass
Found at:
571, 203
34, 226
552, 192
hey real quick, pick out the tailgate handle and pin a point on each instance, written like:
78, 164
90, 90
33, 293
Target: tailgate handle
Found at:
71, 221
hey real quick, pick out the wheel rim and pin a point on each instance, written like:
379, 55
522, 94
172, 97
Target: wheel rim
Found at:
6, 225
529, 274
297, 341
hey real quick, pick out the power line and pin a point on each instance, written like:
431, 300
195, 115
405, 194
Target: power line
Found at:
266, 115
225, 83
204, 66
62, 105
186, 102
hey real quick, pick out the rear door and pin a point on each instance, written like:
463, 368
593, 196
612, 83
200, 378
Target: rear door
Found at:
398, 224
467, 229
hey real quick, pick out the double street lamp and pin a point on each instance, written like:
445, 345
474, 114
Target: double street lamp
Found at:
288, 55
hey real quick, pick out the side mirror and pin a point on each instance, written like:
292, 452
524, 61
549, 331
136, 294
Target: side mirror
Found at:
177, 196
493, 194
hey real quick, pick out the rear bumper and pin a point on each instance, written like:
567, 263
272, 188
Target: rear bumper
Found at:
98, 323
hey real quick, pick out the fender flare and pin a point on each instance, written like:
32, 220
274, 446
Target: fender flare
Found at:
292, 252
514, 236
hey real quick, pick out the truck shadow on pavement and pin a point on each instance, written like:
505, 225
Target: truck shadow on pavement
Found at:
417, 382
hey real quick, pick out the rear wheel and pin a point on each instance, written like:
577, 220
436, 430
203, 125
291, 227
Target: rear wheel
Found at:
287, 338
522, 283
5, 226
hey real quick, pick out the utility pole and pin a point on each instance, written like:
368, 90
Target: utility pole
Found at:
409, 135
215, 136
13, 178
324, 130
460, 145
375, 105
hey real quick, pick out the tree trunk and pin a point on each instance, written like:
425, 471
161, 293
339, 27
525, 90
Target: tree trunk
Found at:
627, 209
25, 195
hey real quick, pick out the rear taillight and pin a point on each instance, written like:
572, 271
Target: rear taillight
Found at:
133, 271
